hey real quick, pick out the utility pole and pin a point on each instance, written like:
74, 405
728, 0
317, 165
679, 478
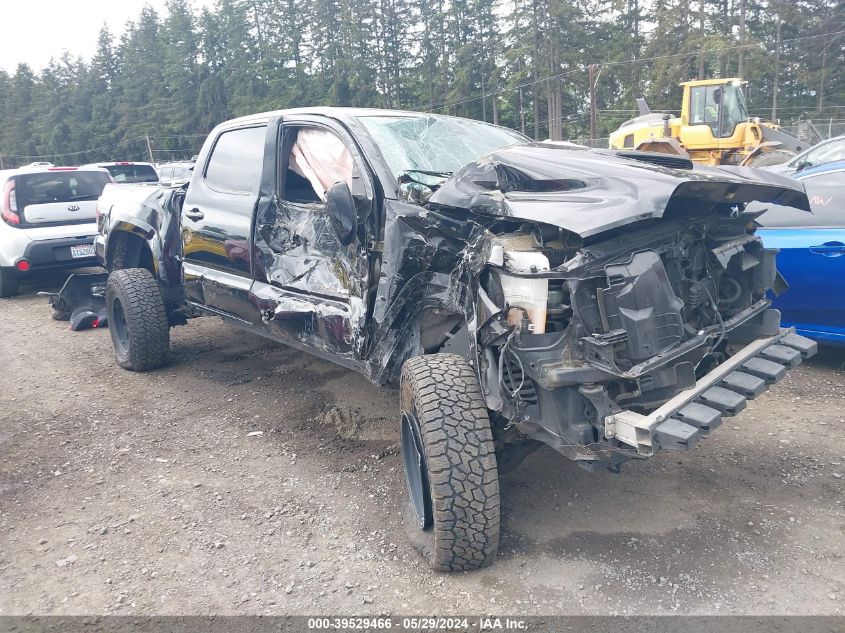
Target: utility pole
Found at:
149, 148
777, 77
741, 65
822, 77
592, 79
521, 111
483, 100
701, 43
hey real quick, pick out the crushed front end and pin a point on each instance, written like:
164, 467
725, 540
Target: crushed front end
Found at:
610, 340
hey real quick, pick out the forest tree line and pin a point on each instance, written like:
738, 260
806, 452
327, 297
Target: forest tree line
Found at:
171, 77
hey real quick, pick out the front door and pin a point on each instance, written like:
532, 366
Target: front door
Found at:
217, 219
812, 259
311, 290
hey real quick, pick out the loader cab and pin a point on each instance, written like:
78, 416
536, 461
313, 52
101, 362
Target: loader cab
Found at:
712, 109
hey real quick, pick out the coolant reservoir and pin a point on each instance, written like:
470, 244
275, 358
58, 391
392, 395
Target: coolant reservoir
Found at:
529, 293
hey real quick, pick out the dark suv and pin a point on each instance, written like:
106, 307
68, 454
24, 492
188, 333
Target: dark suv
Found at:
605, 303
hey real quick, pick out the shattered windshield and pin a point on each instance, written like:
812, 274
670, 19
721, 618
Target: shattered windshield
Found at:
432, 147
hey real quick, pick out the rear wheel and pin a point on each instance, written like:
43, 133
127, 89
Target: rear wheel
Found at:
137, 319
452, 516
8, 282
772, 157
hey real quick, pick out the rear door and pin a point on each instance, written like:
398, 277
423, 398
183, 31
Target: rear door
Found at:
216, 223
58, 196
812, 258
311, 290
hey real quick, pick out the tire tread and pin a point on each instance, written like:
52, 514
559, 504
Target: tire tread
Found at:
146, 318
463, 476
8, 282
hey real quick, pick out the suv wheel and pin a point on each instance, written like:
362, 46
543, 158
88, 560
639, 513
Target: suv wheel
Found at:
8, 282
450, 464
137, 319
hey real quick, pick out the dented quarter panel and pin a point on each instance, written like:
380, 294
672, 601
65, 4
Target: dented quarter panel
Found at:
152, 214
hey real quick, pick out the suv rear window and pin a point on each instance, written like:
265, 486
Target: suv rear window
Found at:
58, 186
133, 173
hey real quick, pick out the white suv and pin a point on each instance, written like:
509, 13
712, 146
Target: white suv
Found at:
48, 220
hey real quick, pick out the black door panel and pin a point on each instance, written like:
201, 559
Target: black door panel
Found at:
217, 223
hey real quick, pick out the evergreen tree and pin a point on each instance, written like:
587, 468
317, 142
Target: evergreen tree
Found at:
521, 63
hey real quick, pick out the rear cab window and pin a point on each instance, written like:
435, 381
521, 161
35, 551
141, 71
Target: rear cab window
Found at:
133, 173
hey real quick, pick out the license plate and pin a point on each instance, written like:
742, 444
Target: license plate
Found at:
85, 250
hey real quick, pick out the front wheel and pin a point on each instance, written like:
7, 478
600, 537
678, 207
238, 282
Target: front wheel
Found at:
450, 464
137, 317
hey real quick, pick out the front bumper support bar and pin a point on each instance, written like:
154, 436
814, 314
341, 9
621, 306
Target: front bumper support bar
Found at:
679, 423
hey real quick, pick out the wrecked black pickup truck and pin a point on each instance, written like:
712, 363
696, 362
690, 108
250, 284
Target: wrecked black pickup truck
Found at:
607, 304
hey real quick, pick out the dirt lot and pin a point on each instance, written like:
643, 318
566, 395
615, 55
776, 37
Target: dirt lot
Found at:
247, 478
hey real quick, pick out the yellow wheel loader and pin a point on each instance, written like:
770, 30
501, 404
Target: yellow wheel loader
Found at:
714, 128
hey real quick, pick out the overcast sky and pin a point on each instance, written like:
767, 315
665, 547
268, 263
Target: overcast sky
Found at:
33, 31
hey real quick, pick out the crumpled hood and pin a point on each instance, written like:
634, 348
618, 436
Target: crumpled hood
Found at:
588, 191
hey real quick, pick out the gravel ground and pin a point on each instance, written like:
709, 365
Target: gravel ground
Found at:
247, 478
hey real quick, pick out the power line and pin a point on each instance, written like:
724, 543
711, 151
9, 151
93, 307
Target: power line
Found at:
504, 90
109, 147
84, 151
638, 60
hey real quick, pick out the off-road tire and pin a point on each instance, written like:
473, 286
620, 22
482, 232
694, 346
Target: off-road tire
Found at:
441, 393
8, 282
133, 300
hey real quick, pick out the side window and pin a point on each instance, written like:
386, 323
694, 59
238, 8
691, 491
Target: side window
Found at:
704, 106
827, 153
696, 108
316, 160
235, 163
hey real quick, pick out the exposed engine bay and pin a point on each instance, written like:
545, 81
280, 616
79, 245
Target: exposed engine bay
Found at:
599, 299
571, 332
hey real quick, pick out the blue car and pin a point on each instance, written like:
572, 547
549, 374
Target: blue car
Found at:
812, 257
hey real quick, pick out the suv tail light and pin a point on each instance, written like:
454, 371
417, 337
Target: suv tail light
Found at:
10, 204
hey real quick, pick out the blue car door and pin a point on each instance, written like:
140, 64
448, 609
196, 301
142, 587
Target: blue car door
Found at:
812, 258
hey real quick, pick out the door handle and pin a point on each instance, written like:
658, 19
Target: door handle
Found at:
829, 249
194, 214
